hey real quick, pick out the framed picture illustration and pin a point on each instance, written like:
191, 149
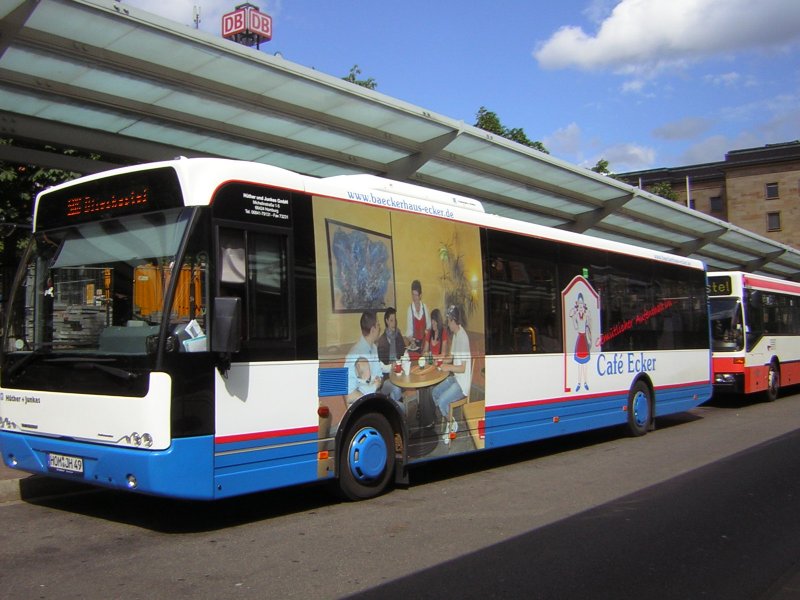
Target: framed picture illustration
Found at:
362, 268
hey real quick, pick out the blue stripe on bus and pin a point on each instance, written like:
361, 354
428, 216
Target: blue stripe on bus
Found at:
255, 465
534, 421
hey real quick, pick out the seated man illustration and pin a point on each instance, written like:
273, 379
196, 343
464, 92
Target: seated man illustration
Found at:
457, 385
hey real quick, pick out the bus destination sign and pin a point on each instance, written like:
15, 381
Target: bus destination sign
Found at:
88, 205
720, 286
115, 196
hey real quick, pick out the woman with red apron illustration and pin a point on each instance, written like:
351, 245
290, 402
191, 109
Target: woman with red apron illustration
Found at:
581, 319
417, 321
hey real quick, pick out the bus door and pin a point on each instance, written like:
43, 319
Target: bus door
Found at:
265, 398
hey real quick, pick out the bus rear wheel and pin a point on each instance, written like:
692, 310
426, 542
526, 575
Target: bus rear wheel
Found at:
639, 409
773, 383
366, 459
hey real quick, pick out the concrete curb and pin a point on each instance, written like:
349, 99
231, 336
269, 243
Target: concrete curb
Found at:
9, 490
37, 487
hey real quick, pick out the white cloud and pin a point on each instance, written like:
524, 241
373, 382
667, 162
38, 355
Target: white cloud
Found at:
628, 157
714, 148
598, 10
651, 34
564, 141
683, 129
633, 86
724, 79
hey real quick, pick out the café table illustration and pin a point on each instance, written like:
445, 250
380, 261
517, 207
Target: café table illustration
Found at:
422, 379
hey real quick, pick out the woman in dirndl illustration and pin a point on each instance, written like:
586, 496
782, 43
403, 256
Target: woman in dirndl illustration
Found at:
581, 319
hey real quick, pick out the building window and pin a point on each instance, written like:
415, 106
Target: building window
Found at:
772, 191
774, 221
716, 204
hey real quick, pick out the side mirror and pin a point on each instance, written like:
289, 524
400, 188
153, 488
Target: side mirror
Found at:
226, 332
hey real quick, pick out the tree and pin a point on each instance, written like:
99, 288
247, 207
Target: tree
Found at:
489, 121
664, 189
601, 167
19, 184
352, 77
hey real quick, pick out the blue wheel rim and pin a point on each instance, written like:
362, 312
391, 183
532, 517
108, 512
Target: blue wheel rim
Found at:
367, 454
641, 409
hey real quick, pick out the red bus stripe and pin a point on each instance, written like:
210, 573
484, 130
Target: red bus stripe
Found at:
262, 435
775, 286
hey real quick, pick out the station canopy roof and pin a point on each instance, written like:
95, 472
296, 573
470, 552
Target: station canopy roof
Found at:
102, 76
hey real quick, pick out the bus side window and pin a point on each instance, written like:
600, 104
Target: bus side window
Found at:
254, 266
233, 266
269, 275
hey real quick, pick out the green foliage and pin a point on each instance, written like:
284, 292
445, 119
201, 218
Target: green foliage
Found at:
19, 184
601, 167
489, 121
664, 189
352, 77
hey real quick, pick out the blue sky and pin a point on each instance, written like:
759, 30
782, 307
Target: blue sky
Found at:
640, 83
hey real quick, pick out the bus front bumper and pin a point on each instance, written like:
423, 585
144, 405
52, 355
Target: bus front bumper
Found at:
184, 470
729, 383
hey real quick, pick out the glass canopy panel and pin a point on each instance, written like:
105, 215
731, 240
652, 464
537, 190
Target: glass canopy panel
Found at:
84, 116
728, 252
67, 71
72, 21
790, 259
198, 106
645, 230
752, 242
716, 263
671, 215
20, 103
782, 270
504, 210
624, 239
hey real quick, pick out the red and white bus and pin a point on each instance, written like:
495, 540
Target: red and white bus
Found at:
202, 328
755, 332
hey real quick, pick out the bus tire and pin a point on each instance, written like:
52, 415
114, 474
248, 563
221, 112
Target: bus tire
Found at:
640, 409
366, 459
773, 382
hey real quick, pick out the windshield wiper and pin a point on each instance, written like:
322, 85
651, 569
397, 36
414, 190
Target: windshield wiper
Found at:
90, 363
25, 361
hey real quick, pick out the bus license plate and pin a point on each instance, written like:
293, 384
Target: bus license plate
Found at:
62, 463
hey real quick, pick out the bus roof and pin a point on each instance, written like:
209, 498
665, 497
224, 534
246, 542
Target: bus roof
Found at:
201, 177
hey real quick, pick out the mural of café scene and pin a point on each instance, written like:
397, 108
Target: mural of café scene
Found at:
400, 311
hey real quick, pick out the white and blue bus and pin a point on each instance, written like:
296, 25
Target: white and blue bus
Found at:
203, 328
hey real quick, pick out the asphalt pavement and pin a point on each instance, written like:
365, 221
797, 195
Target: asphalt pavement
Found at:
21, 486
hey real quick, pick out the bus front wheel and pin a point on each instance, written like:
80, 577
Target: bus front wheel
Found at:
366, 459
639, 409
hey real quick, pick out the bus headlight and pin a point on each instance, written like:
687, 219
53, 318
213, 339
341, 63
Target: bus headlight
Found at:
131, 481
724, 378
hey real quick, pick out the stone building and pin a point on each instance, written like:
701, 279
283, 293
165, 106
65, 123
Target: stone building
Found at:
757, 189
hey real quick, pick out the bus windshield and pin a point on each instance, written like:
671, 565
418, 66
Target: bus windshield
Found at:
726, 325
100, 286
